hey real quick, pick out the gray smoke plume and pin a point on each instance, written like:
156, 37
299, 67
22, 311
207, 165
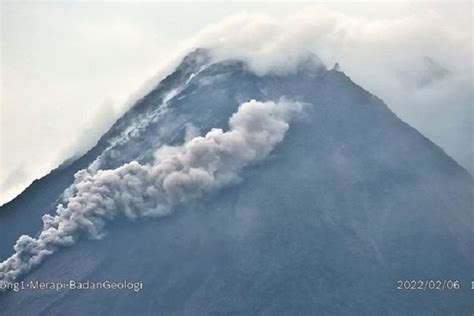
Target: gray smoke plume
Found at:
181, 173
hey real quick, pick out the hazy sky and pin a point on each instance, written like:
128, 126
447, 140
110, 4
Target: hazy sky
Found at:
69, 69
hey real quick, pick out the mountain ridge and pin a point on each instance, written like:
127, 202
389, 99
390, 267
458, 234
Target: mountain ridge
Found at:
351, 200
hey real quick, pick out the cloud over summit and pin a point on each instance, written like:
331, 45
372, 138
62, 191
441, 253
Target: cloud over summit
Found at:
419, 64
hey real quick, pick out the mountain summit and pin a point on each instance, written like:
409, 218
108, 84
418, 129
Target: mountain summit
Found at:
327, 212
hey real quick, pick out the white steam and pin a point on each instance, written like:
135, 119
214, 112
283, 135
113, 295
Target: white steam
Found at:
179, 174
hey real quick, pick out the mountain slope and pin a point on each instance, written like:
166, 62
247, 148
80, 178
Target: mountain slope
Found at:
351, 201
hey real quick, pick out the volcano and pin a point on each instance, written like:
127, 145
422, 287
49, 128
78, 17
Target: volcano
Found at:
348, 204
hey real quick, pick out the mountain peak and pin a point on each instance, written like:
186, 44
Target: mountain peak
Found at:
198, 57
304, 63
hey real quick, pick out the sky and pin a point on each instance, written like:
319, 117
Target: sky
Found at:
69, 70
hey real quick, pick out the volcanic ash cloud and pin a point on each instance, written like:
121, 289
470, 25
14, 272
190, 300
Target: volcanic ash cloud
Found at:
179, 174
